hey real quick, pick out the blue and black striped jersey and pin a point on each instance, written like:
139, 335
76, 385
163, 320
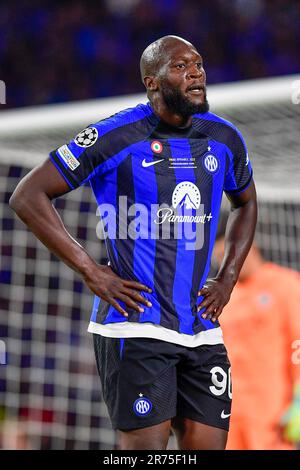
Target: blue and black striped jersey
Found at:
159, 191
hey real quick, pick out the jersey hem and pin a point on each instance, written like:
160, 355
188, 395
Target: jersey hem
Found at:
149, 330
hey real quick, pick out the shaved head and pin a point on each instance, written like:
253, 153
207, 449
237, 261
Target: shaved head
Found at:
157, 53
173, 74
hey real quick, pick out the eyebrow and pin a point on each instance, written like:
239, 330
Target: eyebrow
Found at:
175, 59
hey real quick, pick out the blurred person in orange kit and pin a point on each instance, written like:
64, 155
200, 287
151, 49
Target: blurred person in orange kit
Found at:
261, 327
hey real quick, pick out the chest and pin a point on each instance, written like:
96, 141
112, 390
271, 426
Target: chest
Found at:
171, 168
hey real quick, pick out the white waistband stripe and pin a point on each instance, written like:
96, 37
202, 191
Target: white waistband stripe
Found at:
149, 330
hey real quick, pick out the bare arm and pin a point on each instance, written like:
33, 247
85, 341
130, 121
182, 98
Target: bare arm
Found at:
31, 201
238, 239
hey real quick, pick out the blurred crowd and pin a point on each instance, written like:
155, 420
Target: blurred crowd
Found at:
72, 50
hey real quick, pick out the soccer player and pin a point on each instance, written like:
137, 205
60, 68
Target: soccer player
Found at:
158, 172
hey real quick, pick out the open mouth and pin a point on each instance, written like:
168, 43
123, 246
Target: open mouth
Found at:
195, 89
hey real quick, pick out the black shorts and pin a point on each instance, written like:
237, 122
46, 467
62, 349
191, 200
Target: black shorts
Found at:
146, 381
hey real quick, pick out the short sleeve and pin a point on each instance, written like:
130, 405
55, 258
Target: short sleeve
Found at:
239, 172
79, 159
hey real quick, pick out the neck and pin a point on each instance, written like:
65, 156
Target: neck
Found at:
163, 112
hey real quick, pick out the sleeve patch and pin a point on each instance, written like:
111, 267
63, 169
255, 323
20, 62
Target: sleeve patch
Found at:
68, 157
87, 137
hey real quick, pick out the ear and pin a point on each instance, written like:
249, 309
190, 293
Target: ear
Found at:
151, 83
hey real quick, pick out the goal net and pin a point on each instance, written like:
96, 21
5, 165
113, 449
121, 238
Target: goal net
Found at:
50, 394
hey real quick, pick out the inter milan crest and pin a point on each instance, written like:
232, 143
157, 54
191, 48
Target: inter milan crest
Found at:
87, 137
211, 163
142, 406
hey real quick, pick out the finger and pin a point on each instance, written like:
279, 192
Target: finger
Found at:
117, 306
204, 291
217, 313
136, 296
129, 302
205, 302
136, 285
208, 314
212, 308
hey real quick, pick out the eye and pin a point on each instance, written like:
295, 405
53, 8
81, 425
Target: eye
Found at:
199, 65
179, 66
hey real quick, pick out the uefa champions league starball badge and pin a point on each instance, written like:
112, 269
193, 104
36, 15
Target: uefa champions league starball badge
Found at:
87, 137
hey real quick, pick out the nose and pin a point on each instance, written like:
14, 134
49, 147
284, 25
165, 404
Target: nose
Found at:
194, 71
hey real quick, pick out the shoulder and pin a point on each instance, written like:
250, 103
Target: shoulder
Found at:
213, 119
123, 129
127, 118
219, 128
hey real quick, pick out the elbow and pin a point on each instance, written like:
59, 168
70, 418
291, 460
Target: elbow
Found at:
17, 202
13, 202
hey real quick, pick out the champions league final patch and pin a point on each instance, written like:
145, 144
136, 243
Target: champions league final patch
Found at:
87, 137
182, 162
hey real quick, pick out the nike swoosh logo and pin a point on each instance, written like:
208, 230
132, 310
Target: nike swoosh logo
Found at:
224, 415
146, 164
